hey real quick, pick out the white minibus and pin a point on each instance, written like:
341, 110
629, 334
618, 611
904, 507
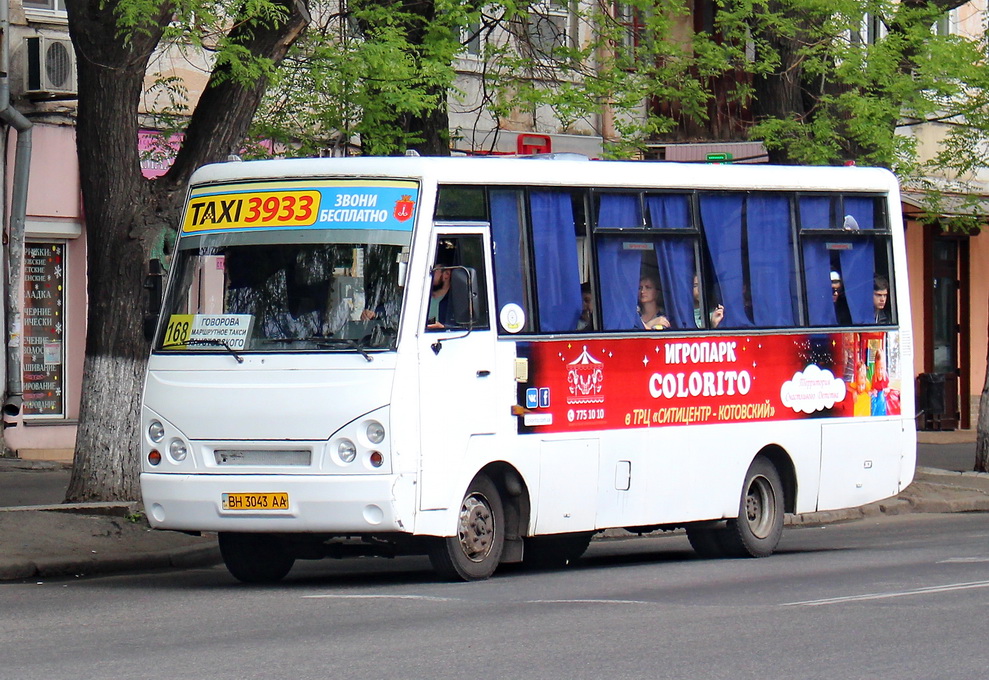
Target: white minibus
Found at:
489, 360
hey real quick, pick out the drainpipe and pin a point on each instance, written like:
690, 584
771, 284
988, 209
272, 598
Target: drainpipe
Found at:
18, 210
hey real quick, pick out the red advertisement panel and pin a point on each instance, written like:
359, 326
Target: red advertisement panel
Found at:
612, 383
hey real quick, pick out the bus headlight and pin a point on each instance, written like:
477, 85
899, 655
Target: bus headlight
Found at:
347, 451
177, 450
156, 431
375, 432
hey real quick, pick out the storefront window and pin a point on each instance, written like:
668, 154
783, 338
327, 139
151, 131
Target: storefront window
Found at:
44, 330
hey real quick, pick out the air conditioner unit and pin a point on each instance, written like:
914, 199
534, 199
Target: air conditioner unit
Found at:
51, 67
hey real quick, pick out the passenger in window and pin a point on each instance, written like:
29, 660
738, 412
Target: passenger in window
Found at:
586, 320
650, 313
841, 312
438, 316
716, 315
880, 299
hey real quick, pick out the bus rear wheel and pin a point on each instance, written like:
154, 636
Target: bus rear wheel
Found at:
255, 558
757, 530
474, 553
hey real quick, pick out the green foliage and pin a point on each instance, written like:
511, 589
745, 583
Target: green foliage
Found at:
360, 72
216, 27
367, 67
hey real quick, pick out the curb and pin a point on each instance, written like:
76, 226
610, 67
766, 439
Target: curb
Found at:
51, 567
108, 509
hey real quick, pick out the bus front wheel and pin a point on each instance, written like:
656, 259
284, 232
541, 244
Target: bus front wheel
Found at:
474, 553
255, 558
757, 530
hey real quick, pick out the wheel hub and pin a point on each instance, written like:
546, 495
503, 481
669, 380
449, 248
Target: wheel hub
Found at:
476, 528
760, 507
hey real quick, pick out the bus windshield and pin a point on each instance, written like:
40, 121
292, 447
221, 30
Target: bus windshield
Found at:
269, 292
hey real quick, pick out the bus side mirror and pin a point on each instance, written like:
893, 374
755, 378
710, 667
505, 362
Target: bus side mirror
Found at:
463, 296
153, 284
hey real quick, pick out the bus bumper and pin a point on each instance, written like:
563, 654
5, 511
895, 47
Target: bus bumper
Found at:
316, 503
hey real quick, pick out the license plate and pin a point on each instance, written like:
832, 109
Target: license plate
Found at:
255, 501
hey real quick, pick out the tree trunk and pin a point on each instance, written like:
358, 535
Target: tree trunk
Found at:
779, 94
111, 79
125, 212
434, 129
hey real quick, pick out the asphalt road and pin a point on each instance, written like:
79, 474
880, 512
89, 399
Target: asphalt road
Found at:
891, 597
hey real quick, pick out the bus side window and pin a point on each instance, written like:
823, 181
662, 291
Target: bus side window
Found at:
510, 259
845, 248
660, 250
458, 295
749, 239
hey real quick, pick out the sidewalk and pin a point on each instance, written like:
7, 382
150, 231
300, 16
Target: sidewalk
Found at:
41, 538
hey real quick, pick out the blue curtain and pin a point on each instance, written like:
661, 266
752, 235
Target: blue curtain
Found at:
618, 268
506, 232
858, 264
817, 279
857, 272
675, 257
555, 250
721, 216
669, 211
771, 271
619, 275
815, 212
619, 211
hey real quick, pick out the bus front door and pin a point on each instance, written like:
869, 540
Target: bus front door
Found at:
457, 372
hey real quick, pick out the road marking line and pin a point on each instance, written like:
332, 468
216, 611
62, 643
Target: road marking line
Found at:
426, 598
963, 560
589, 601
885, 596
432, 598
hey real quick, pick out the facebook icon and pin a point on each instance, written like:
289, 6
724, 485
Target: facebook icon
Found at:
543, 397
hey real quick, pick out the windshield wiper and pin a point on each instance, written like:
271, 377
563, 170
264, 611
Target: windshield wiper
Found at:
206, 341
348, 342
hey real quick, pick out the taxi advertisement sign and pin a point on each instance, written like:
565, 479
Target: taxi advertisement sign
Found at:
190, 330
302, 205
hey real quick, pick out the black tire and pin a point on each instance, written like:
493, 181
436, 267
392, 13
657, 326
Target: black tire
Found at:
255, 558
474, 553
553, 552
706, 540
757, 530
